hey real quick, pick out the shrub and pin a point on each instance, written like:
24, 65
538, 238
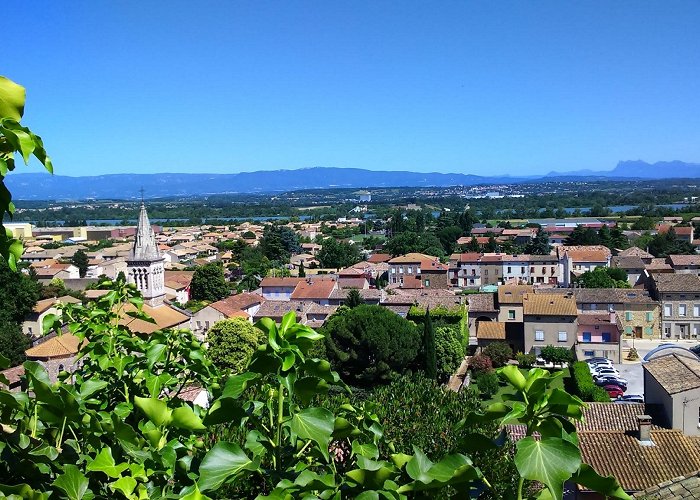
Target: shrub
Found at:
632, 355
480, 364
526, 360
499, 352
448, 350
585, 386
556, 355
487, 382
370, 344
232, 342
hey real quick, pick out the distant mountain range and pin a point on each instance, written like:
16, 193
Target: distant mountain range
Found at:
40, 186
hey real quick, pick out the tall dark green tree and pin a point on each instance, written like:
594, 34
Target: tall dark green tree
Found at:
302, 271
539, 244
209, 283
353, 299
13, 343
80, 260
19, 293
429, 347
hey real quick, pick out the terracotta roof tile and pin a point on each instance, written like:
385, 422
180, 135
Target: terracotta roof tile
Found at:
635, 252
314, 289
60, 346
610, 417
677, 282
684, 260
687, 486
290, 282
513, 294
491, 330
675, 373
586, 253
481, 302
549, 305
236, 303
164, 316
637, 466
377, 258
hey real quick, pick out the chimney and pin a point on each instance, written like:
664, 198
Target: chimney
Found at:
612, 317
644, 422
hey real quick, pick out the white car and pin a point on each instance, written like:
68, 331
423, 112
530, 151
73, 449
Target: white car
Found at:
605, 371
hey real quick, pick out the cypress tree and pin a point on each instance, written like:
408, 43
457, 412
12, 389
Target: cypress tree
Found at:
302, 272
429, 347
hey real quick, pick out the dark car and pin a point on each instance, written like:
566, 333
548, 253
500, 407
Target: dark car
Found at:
614, 391
603, 381
630, 398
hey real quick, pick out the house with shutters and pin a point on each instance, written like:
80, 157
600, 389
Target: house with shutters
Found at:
549, 319
599, 335
679, 295
417, 270
465, 269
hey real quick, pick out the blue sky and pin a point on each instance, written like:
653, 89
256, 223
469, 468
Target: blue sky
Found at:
455, 86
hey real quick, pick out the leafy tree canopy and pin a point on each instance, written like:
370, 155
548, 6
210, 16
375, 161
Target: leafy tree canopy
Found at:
13, 343
209, 283
19, 294
232, 342
80, 260
370, 344
338, 254
603, 277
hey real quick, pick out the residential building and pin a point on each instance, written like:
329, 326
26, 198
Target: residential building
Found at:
639, 314
315, 290
242, 305
633, 266
578, 259
685, 264
599, 335
679, 295
545, 270
416, 270
516, 269
491, 269
369, 296
636, 252
278, 288
672, 382
33, 326
549, 319
352, 278
481, 307
465, 269
177, 285
510, 302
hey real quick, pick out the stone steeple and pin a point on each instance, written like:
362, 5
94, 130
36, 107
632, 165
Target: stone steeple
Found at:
145, 263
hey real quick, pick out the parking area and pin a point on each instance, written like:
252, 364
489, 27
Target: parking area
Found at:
633, 372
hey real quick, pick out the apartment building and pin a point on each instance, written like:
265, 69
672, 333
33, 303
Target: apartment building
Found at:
679, 295
417, 270
465, 269
549, 319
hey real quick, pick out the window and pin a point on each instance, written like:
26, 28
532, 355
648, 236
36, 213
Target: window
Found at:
597, 327
427, 282
562, 336
400, 270
522, 270
667, 330
682, 310
393, 270
594, 307
553, 270
206, 325
606, 336
486, 272
410, 270
650, 317
667, 310
696, 310
539, 335
508, 269
544, 270
586, 336
532, 269
199, 325
589, 354
628, 316
511, 314
696, 330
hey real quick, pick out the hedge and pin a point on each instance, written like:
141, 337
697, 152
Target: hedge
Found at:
585, 386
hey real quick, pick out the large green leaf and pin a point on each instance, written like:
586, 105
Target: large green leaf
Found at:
195, 494
124, 484
550, 461
91, 386
236, 384
185, 418
315, 424
606, 485
513, 375
156, 410
73, 483
12, 97
223, 461
104, 462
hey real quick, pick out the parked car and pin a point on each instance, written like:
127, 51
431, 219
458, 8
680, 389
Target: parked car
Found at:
630, 398
614, 391
598, 366
620, 382
605, 372
598, 360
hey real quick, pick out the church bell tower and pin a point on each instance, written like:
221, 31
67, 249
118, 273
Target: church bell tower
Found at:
145, 263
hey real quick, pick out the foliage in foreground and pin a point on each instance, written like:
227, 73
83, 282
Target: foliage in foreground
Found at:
584, 384
117, 427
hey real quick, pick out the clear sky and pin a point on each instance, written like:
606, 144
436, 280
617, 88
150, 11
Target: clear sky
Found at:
478, 87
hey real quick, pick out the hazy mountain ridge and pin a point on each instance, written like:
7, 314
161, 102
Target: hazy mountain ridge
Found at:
124, 186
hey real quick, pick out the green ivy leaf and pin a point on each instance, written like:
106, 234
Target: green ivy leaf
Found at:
104, 462
606, 485
124, 484
155, 354
195, 494
156, 411
550, 461
514, 377
73, 483
236, 384
92, 386
315, 424
12, 97
368, 450
185, 418
222, 462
